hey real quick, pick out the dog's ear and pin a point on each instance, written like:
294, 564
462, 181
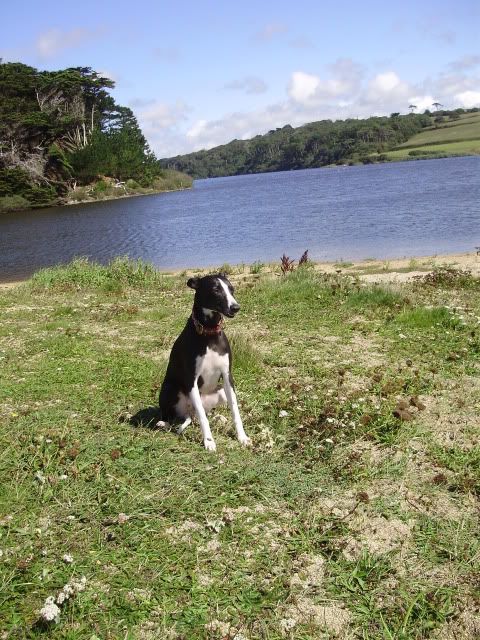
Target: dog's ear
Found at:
193, 283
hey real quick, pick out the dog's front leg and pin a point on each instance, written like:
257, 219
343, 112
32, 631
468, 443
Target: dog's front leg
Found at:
196, 400
233, 405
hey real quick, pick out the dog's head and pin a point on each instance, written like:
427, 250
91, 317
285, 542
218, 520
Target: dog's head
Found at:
215, 293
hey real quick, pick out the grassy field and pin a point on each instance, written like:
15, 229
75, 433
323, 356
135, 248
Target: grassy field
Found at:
457, 137
466, 128
354, 514
464, 148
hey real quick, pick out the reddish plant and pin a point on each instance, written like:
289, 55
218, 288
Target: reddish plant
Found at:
303, 258
286, 264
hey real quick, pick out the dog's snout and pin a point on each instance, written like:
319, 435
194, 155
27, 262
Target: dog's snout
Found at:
234, 308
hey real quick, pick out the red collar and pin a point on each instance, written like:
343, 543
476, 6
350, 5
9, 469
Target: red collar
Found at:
202, 330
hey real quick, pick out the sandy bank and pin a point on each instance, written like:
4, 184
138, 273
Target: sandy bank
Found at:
393, 270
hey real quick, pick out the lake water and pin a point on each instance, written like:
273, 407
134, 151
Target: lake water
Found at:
381, 211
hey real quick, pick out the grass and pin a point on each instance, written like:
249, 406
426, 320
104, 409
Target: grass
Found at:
343, 520
462, 129
465, 147
452, 138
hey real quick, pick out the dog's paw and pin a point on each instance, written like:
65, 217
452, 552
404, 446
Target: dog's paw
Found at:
210, 444
245, 441
181, 428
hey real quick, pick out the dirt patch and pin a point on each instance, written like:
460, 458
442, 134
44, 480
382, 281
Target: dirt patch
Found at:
331, 618
465, 626
453, 420
311, 573
182, 532
377, 535
219, 630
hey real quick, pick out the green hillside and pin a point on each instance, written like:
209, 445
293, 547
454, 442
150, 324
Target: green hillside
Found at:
452, 137
328, 142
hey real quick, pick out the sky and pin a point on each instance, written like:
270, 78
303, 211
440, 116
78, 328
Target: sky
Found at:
200, 74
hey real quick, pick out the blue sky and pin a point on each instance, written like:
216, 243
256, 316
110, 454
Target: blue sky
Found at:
200, 74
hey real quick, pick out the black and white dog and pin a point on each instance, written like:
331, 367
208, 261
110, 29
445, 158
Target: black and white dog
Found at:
200, 356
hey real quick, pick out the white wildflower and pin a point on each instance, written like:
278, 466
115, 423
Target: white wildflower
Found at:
67, 558
215, 525
39, 477
329, 440
265, 439
50, 612
63, 476
123, 518
330, 420
283, 414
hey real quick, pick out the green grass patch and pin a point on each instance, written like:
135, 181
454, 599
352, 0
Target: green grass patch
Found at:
426, 318
81, 273
375, 296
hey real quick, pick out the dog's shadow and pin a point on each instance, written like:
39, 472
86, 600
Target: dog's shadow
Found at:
147, 418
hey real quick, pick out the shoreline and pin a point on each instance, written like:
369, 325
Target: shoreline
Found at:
71, 203
370, 270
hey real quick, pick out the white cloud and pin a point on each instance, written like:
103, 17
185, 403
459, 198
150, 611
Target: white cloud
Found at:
197, 130
51, 42
302, 86
421, 102
345, 81
385, 82
249, 84
468, 99
161, 115
161, 124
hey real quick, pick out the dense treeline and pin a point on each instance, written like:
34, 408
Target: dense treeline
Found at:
62, 128
312, 145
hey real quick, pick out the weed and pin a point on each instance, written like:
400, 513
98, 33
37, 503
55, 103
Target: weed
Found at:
226, 268
448, 277
257, 267
286, 264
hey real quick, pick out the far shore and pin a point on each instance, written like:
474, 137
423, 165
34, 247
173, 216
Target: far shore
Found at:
390, 270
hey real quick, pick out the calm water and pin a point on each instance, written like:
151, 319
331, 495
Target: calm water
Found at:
387, 210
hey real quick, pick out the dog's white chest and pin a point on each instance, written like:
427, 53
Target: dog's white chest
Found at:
210, 367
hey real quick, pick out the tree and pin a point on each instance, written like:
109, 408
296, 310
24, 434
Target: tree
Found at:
412, 107
61, 125
437, 105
